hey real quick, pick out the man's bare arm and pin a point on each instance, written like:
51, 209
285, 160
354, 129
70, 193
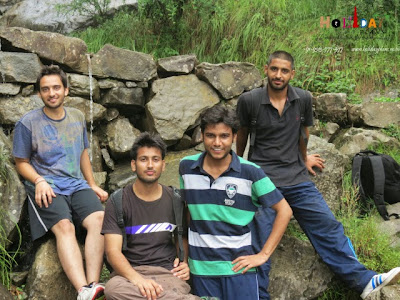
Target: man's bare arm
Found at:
241, 140
303, 142
312, 160
43, 192
86, 168
283, 215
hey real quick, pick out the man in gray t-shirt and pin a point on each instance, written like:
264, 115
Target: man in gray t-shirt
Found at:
51, 152
148, 267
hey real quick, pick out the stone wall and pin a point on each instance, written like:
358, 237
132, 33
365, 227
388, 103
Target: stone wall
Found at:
122, 93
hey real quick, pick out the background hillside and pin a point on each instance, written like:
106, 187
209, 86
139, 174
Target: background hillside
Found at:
248, 30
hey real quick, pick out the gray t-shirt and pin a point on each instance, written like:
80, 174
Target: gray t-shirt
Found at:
276, 148
54, 147
149, 227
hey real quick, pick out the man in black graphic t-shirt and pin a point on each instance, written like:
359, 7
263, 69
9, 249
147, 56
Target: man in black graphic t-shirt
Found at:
148, 267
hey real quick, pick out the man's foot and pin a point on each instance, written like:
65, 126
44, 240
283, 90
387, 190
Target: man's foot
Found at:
91, 291
379, 281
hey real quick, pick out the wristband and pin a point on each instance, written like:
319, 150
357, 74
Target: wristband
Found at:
39, 181
37, 178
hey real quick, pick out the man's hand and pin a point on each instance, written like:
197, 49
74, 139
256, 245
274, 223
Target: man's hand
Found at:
43, 194
148, 287
181, 270
314, 160
102, 194
249, 261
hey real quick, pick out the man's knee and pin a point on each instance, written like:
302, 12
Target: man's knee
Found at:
94, 220
119, 287
63, 227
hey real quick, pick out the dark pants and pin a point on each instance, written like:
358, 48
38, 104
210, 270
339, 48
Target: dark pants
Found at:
243, 287
326, 235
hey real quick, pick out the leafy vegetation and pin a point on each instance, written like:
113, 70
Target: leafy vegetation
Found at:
371, 245
387, 99
350, 60
392, 131
93, 8
7, 259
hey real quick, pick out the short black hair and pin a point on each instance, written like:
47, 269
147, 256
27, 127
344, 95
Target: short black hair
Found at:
52, 70
219, 114
146, 139
282, 55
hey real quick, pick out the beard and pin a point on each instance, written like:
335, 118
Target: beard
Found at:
277, 88
146, 179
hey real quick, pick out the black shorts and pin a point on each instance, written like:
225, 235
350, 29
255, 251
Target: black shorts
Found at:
75, 207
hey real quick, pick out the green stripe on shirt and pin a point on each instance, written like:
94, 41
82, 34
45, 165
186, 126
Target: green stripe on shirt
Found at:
213, 268
260, 188
214, 212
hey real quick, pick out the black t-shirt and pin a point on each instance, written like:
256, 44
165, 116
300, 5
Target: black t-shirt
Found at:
149, 227
276, 148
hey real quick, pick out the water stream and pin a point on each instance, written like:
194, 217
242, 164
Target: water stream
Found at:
91, 106
3, 76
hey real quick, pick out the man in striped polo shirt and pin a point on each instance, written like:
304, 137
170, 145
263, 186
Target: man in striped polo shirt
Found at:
223, 193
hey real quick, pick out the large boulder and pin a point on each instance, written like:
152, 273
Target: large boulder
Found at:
92, 111
19, 67
54, 47
381, 114
176, 104
13, 108
326, 131
332, 107
391, 292
329, 181
230, 79
121, 135
7, 4
124, 97
353, 140
46, 278
95, 154
83, 86
177, 65
354, 114
12, 192
391, 227
297, 271
170, 176
119, 63
121, 176
9, 89
43, 14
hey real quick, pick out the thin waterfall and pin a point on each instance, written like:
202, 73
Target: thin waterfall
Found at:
91, 107
3, 76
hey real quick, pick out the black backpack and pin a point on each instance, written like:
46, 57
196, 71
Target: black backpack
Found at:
378, 177
178, 206
255, 102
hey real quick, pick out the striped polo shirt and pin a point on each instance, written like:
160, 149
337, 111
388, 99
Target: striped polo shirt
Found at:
221, 211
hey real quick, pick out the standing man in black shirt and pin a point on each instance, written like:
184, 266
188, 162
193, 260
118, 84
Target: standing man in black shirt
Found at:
280, 148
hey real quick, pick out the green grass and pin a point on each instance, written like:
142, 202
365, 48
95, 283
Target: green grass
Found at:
7, 259
386, 99
4, 160
393, 131
218, 31
371, 245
